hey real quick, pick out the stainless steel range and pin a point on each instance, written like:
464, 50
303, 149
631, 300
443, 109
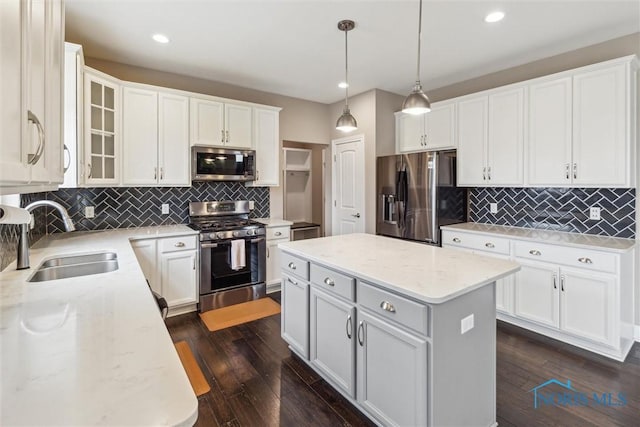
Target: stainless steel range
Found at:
232, 253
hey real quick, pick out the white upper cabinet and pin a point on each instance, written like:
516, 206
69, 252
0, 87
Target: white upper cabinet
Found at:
237, 125
139, 136
601, 118
549, 145
266, 137
434, 130
155, 138
101, 129
31, 123
582, 127
472, 141
491, 139
207, 122
506, 137
173, 140
220, 124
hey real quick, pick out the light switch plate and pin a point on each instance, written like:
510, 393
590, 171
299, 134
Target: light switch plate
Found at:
466, 324
165, 209
594, 213
493, 207
89, 212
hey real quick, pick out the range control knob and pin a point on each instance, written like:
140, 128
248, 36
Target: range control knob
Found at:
235, 234
220, 235
250, 232
212, 236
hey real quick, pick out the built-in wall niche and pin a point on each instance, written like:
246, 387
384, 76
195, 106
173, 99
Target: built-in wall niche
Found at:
298, 179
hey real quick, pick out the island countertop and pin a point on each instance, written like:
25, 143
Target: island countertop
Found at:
427, 273
89, 350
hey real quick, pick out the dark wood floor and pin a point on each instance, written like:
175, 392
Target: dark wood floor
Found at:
255, 381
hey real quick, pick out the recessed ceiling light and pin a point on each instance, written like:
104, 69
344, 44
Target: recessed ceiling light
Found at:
343, 85
494, 16
160, 38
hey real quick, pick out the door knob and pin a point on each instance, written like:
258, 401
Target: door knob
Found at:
356, 215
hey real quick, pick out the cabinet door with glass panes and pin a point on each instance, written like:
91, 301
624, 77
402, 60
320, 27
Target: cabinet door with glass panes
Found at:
101, 130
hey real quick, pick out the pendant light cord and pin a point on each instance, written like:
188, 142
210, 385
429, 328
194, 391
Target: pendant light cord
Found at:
419, 39
346, 71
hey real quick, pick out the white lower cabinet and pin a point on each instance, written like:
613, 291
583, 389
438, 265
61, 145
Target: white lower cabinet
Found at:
392, 372
332, 347
178, 274
170, 265
583, 296
275, 235
295, 314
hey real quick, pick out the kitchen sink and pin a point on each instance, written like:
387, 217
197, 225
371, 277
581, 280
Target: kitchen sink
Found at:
76, 266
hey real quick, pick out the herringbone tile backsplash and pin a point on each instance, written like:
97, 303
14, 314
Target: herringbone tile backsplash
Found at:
561, 209
125, 207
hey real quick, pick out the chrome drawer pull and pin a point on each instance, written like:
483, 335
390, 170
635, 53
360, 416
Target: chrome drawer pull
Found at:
277, 233
535, 252
179, 245
361, 328
349, 326
455, 239
555, 282
291, 281
490, 245
292, 265
329, 282
387, 306
585, 260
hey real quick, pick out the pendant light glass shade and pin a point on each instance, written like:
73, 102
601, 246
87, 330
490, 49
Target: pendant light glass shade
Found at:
417, 102
346, 122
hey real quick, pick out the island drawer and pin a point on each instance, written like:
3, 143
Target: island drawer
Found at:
333, 281
274, 233
395, 307
575, 257
291, 264
180, 243
478, 242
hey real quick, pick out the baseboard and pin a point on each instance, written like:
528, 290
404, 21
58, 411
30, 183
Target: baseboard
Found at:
636, 332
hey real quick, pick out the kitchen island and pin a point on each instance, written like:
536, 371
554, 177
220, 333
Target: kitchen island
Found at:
405, 331
90, 350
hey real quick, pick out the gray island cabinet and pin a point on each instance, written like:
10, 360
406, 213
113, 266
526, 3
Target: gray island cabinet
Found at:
405, 331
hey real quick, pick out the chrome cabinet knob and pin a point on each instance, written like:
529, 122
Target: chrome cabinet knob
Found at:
179, 245
535, 252
357, 215
490, 245
387, 306
456, 240
585, 260
292, 266
329, 282
277, 233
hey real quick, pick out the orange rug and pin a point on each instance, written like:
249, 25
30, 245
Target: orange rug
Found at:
240, 313
194, 373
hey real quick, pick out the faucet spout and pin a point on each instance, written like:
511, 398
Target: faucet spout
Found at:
23, 241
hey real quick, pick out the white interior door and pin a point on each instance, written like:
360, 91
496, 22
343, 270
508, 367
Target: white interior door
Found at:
348, 186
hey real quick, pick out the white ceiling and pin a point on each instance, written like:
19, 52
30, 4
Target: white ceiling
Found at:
293, 47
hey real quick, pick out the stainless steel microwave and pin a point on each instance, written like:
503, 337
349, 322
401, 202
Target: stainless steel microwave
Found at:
222, 164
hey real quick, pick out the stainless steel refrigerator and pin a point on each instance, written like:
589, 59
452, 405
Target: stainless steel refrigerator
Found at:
416, 194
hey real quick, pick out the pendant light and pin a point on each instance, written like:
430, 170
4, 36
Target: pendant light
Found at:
417, 102
346, 122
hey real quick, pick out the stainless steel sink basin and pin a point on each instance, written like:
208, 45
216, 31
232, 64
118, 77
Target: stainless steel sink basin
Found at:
76, 266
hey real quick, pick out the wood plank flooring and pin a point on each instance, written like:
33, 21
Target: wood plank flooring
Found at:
256, 381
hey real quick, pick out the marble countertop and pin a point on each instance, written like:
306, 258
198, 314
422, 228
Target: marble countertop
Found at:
427, 273
589, 241
89, 350
273, 222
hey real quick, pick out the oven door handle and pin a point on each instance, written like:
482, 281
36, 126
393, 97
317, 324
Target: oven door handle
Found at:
258, 240
208, 245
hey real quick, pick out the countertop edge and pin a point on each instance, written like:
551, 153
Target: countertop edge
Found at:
506, 234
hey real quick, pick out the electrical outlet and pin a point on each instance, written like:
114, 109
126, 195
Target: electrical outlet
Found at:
493, 207
594, 213
251, 204
89, 212
466, 324
165, 209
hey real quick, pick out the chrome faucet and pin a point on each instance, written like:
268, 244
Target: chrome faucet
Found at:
23, 242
